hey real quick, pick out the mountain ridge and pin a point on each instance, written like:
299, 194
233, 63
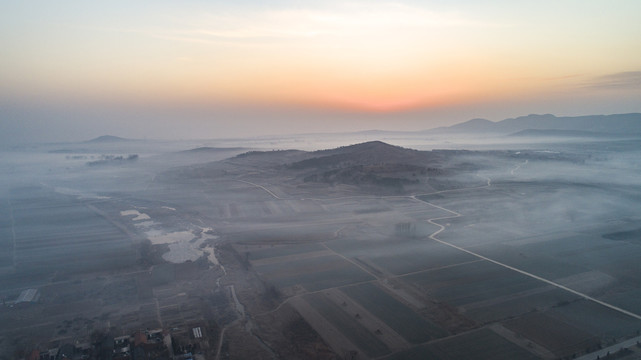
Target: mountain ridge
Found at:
107, 139
560, 133
366, 153
615, 124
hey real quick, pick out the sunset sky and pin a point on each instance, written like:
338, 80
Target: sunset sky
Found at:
208, 69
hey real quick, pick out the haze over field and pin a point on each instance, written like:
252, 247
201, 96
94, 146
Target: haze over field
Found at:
515, 247
320, 180
195, 69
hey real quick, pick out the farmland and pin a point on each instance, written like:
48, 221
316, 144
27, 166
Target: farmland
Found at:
394, 313
472, 282
348, 325
413, 276
314, 273
249, 248
480, 344
557, 336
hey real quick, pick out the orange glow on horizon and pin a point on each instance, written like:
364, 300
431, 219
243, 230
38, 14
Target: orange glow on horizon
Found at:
370, 57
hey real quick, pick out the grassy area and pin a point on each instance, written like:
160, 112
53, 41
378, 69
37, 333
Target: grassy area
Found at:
479, 345
348, 325
399, 317
472, 282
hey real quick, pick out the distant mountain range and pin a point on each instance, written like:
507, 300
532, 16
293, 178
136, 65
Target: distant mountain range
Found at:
550, 125
547, 125
561, 133
207, 150
107, 139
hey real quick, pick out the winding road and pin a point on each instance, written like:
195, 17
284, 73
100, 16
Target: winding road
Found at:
262, 187
550, 282
518, 166
441, 228
453, 215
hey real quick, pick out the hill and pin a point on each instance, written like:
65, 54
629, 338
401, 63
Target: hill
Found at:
368, 153
207, 149
474, 125
560, 133
617, 124
107, 139
373, 165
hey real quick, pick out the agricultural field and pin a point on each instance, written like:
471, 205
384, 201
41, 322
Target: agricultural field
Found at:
349, 325
394, 313
472, 282
494, 265
478, 344
260, 252
403, 256
605, 323
484, 270
489, 311
313, 274
562, 339
54, 234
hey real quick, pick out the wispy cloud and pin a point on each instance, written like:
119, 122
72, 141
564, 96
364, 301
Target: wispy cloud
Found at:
621, 80
344, 20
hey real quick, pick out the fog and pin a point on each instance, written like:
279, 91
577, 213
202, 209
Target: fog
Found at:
304, 246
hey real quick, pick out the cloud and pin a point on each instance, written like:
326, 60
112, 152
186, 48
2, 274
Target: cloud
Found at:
621, 80
344, 20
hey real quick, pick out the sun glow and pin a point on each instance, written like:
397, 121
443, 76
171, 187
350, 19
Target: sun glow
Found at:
356, 57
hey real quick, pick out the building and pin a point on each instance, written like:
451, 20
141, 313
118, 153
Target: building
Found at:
28, 296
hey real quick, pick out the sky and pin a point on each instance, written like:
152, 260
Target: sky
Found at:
73, 70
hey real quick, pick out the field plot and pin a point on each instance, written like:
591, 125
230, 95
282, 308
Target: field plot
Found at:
290, 207
379, 211
396, 315
357, 205
259, 252
589, 251
507, 211
633, 235
268, 208
6, 236
517, 304
418, 255
479, 345
583, 262
348, 325
597, 320
553, 334
398, 256
541, 264
414, 209
472, 282
589, 282
266, 231
628, 269
56, 232
627, 298
314, 273
470, 231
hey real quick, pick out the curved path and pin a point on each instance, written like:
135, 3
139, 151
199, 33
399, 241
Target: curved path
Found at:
262, 187
550, 282
441, 228
455, 215
518, 166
